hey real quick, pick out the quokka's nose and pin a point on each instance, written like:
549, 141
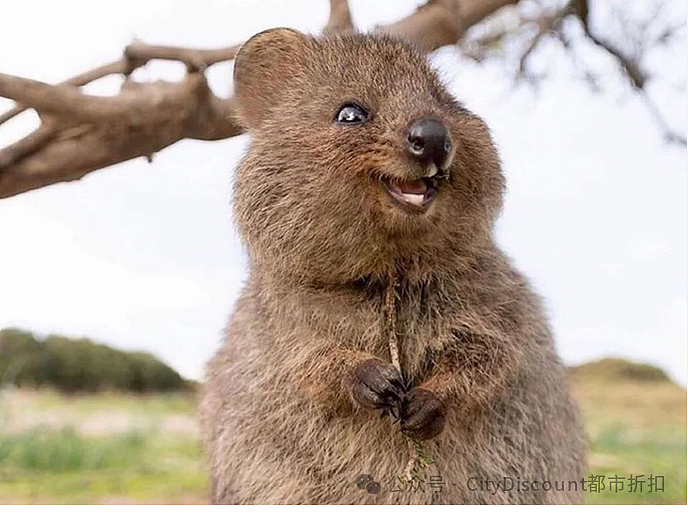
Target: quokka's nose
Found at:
428, 141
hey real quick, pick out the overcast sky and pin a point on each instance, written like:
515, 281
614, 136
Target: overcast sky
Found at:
146, 256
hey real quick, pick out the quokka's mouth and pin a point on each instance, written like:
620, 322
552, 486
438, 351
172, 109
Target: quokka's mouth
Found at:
415, 195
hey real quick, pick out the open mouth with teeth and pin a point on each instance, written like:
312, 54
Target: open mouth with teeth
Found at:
415, 195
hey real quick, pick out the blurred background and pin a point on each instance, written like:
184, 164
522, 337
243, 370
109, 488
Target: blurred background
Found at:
114, 290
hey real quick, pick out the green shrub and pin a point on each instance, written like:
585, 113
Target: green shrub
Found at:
20, 357
80, 365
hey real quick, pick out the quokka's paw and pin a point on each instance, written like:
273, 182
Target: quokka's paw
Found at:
422, 414
377, 384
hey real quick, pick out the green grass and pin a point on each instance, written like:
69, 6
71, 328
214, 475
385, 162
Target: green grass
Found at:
84, 404
114, 448
625, 454
146, 459
635, 427
65, 467
65, 450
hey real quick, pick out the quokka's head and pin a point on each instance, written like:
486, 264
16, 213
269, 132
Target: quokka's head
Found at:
360, 162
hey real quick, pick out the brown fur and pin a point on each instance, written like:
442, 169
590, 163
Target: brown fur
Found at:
279, 419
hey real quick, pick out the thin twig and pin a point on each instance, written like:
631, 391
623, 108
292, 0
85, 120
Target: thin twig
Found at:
391, 321
393, 343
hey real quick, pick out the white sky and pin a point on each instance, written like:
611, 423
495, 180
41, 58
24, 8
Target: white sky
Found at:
146, 256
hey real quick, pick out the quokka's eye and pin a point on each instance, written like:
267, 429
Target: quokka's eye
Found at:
350, 113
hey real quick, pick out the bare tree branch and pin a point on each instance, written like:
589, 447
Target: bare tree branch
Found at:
62, 150
434, 24
32, 142
631, 66
116, 67
140, 54
81, 133
140, 121
65, 101
546, 25
340, 18
670, 136
550, 24
474, 11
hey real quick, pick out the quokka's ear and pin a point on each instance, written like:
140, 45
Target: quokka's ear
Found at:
262, 68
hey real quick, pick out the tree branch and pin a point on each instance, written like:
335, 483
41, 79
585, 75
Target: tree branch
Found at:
116, 67
340, 18
81, 133
195, 60
140, 121
551, 24
62, 100
630, 67
32, 142
433, 25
